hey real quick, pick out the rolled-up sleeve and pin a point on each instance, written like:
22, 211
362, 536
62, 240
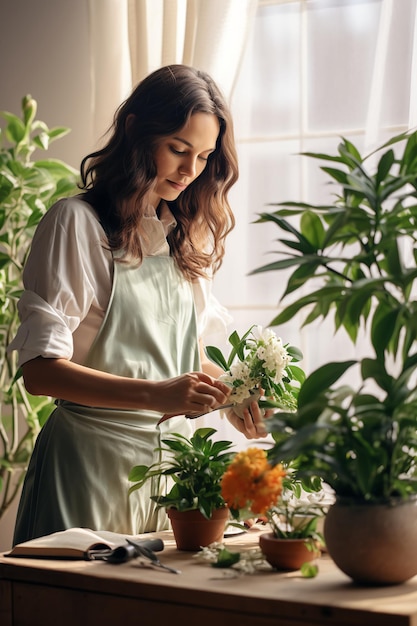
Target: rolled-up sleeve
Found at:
66, 274
213, 319
43, 330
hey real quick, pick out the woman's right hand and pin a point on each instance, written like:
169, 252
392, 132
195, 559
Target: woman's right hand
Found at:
194, 392
63, 379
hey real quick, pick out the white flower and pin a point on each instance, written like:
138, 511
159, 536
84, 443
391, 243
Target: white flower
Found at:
260, 363
267, 358
250, 561
241, 371
271, 351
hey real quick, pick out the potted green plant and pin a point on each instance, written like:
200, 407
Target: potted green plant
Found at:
295, 537
27, 188
189, 475
355, 257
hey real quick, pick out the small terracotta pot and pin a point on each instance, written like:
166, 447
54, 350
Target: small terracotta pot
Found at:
193, 531
286, 554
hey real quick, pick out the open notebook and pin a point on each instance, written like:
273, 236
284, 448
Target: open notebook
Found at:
82, 543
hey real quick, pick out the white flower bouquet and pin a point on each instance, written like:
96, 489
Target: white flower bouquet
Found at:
260, 365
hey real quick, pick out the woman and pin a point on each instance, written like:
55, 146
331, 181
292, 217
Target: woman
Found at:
116, 299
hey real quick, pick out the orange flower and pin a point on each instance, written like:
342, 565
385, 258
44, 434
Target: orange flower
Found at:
251, 483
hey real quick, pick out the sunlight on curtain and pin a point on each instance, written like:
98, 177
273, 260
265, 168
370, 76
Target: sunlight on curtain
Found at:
373, 120
209, 35
412, 122
109, 60
131, 38
313, 71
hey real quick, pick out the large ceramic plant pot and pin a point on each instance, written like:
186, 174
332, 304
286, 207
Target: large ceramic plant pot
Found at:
192, 531
374, 544
286, 554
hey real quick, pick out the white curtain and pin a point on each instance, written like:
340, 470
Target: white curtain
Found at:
379, 82
413, 81
373, 122
130, 38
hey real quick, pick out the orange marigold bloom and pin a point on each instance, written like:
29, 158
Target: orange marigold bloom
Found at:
250, 482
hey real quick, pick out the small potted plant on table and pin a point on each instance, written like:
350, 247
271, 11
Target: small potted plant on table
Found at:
255, 488
192, 470
295, 539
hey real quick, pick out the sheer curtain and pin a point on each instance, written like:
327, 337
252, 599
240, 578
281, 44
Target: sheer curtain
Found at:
379, 84
314, 70
413, 80
130, 38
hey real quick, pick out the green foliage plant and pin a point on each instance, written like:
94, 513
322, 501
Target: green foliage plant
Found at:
191, 470
298, 511
27, 189
356, 259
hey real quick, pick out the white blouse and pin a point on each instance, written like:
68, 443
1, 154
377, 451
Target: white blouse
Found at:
68, 280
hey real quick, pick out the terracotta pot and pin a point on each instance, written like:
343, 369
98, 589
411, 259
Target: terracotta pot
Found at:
286, 554
193, 531
374, 544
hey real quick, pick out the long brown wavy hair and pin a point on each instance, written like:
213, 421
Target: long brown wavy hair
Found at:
117, 177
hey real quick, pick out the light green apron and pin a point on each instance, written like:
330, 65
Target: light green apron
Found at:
78, 474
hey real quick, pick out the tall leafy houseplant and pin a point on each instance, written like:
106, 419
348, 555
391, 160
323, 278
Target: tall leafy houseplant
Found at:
27, 188
356, 258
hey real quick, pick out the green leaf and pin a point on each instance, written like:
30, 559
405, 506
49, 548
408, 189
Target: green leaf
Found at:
58, 132
278, 265
309, 570
138, 473
42, 141
339, 175
215, 355
323, 157
15, 130
4, 259
384, 166
300, 276
321, 379
347, 148
312, 229
286, 226
225, 558
383, 325
393, 259
373, 368
56, 167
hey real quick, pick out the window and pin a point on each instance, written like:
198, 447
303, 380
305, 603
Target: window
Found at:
309, 76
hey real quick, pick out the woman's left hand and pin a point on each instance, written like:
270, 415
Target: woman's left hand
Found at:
252, 425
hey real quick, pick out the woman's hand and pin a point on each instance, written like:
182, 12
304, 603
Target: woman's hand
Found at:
195, 392
60, 378
252, 425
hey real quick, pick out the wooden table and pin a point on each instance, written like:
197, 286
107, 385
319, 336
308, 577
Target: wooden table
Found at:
61, 593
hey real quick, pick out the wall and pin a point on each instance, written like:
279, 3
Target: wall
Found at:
44, 51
